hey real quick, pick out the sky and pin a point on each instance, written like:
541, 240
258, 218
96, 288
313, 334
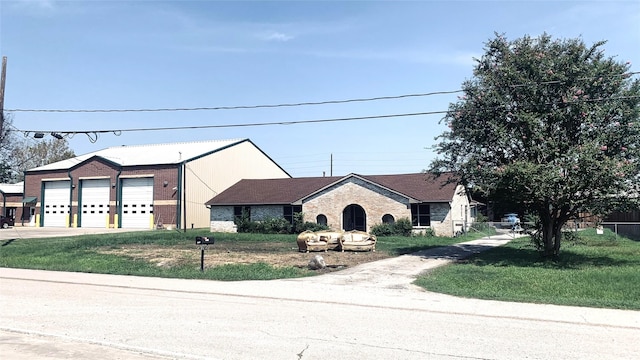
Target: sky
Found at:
136, 55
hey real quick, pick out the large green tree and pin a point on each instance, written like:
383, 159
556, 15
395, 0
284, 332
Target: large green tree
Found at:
550, 125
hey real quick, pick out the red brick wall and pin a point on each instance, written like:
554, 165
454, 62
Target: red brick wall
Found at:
164, 196
9, 201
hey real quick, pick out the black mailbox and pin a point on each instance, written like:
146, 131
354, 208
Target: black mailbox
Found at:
203, 240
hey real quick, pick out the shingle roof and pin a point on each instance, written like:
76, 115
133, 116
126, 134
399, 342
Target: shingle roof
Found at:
270, 191
421, 187
151, 154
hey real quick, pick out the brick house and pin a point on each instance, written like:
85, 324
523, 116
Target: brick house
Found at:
143, 186
347, 203
12, 202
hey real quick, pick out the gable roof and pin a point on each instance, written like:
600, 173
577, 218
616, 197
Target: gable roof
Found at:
270, 191
420, 187
151, 154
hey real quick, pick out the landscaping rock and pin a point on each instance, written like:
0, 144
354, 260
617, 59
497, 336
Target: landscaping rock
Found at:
317, 263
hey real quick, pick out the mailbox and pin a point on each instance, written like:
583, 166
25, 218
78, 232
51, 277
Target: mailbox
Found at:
204, 240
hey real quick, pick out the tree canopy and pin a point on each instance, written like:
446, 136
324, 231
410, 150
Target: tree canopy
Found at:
550, 125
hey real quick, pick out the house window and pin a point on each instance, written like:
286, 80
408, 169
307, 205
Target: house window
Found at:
388, 219
289, 212
321, 220
240, 212
420, 214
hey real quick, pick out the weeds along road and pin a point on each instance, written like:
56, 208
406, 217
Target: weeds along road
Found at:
54, 315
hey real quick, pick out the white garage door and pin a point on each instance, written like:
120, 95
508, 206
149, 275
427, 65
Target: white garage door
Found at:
95, 203
55, 211
137, 203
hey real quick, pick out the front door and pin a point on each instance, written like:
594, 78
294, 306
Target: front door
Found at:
354, 218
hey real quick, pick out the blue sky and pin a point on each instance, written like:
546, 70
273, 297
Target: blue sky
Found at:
186, 54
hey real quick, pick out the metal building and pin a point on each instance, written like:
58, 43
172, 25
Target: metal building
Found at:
143, 186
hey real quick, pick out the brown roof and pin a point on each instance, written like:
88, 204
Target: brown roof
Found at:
422, 187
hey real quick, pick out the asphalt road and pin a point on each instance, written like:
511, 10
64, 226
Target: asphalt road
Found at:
367, 312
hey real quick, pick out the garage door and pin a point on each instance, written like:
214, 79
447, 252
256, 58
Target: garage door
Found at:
55, 211
94, 203
137, 203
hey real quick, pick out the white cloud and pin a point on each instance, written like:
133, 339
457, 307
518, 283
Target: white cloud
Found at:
37, 4
275, 36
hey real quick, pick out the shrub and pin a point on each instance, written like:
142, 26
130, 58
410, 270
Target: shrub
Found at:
382, 230
276, 225
299, 225
402, 227
273, 226
244, 223
307, 225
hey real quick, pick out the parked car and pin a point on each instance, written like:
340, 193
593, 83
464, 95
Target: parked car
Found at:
510, 220
5, 222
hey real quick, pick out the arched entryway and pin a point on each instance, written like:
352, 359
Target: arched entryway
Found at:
354, 218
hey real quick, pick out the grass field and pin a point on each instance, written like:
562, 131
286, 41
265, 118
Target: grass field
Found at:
174, 254
594, 270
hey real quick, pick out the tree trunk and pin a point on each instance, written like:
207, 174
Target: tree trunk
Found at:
551, 234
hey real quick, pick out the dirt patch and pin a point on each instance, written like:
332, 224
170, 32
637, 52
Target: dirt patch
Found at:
276, 254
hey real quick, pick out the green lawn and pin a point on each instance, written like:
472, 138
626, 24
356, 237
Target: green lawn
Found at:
86, 253
594, 270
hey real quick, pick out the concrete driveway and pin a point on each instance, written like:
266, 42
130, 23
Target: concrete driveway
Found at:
369, 311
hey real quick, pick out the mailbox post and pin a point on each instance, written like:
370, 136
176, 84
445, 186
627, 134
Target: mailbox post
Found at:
203, 241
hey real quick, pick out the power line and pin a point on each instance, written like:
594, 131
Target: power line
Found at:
239, 107
328, 102
195, 127
93, 134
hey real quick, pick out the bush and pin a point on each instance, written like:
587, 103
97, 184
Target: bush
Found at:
276, 225
382, 230
307, 225
273, 226
299, 225
402, 227
244, 223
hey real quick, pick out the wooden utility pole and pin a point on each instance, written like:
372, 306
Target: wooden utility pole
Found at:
2, 78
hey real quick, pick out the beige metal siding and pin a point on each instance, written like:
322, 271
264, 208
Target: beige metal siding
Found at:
210, 175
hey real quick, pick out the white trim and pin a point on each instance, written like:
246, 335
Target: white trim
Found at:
94, 177
136, 176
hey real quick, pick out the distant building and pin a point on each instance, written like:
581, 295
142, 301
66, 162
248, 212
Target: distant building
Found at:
142, 186
12, 202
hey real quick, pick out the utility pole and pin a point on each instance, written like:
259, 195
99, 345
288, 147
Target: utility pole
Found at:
331, 168
2, 78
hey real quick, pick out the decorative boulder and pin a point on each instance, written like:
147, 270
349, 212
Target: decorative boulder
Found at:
317, 263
